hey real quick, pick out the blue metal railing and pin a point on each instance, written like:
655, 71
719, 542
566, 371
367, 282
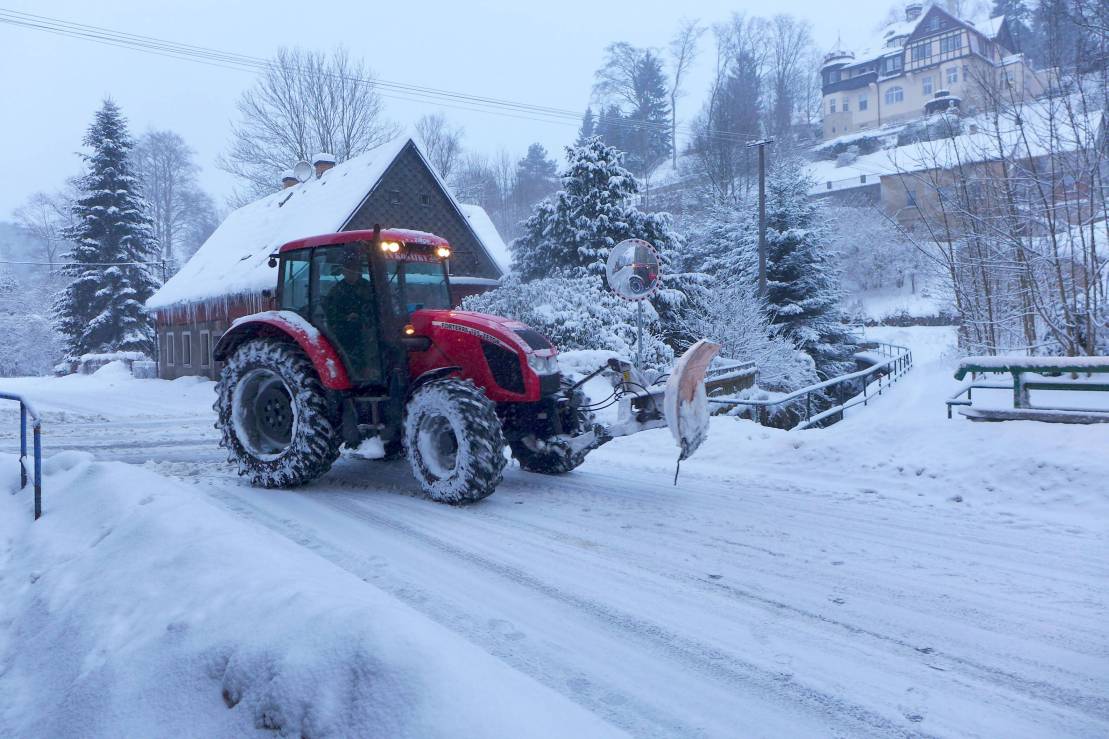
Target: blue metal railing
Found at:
25, 409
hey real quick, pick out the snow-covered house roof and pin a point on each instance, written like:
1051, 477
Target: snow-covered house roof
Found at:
234, 259
891, 37
487, 232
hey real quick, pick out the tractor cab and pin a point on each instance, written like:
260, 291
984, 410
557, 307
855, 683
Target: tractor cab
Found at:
360, 288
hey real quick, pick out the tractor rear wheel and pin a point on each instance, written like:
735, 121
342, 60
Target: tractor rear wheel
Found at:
454, 442
274, 416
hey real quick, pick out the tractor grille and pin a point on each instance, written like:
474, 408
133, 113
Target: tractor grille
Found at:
505, 366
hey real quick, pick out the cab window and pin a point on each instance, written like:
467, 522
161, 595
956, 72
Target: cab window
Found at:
294, 283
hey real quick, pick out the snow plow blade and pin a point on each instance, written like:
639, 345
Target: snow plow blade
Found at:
685, 403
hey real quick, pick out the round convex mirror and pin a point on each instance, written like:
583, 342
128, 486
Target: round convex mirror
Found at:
633, 269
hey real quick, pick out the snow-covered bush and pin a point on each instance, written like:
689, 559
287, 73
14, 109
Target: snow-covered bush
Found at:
29, 345
576, 313
732, 315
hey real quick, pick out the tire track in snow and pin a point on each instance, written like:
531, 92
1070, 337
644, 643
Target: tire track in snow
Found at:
702, 658
1092, 705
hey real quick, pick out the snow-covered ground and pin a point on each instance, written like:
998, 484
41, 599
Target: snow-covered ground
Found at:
893, 302
895, 574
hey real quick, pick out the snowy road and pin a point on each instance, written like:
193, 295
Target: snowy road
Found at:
898, 574
757, 601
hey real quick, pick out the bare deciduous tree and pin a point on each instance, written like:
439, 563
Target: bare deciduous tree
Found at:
166, 168
44, 216
305, 102
790, 39
683, 52
442, 142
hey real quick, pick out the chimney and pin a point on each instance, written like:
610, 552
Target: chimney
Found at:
288, 179
322, 162
913, 11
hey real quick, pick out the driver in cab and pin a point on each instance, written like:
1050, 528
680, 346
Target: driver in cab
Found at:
349, 307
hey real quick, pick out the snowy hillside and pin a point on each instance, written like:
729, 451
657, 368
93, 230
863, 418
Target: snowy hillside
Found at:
896, 574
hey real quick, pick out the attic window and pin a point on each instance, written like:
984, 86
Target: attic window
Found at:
394, 197
425, 199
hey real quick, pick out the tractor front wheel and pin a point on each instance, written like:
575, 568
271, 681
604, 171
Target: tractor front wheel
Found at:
273, 415
453, 439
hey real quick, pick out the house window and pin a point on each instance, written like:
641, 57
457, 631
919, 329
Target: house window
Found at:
846, 106
205, 349
950, 44
921, 51
862, 102
425, 199
862, 179
394, 197
892, 64
933, 23
966, 73
169, 349
1007, 77
832, 105
952, 75
186, 349
910, 198
894, 95
927, 84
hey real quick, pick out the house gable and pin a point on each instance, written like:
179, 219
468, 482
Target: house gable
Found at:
935, 21
409, 195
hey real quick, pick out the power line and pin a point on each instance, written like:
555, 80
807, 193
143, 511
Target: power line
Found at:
386, 88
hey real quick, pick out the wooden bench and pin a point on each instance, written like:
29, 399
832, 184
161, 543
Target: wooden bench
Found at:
1045, 374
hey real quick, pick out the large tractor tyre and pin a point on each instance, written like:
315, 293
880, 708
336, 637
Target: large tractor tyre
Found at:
453, 440
553, 456
273, 415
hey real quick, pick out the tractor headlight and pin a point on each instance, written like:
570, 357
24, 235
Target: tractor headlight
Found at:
543, 365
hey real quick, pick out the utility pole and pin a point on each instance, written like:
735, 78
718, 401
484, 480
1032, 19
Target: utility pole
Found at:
762, 212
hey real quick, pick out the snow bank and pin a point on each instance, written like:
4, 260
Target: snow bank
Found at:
904, 448
136, 608
110, 393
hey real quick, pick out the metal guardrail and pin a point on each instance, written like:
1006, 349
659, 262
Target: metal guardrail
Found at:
25, 409
900, 362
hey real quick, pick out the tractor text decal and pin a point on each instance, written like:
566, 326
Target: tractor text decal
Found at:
473, 332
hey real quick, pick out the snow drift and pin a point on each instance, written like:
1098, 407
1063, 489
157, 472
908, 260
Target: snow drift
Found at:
137, 608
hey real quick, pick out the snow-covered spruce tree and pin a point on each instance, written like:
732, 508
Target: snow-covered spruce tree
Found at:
802, 278
571, 233
722, 242
102, 307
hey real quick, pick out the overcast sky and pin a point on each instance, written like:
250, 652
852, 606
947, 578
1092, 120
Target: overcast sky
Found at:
541, 53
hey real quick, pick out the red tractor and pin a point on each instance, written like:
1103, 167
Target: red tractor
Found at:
365, 344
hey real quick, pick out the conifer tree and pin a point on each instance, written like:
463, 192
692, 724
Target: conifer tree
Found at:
536, 177
649, 141
102, 308
588, 127
803, 290
571, 233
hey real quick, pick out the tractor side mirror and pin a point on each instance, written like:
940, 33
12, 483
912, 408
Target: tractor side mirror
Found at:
272, 262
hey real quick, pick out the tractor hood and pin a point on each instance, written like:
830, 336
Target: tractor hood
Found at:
505, 332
